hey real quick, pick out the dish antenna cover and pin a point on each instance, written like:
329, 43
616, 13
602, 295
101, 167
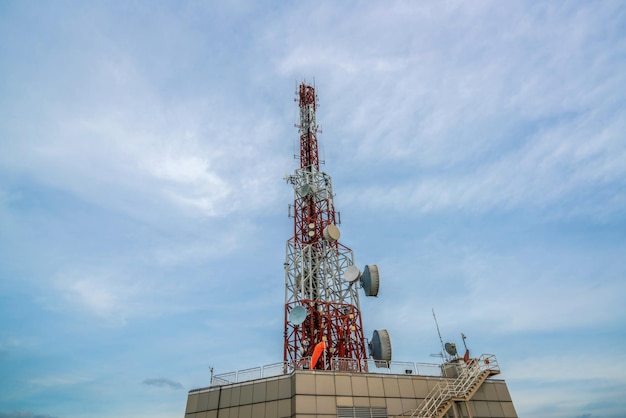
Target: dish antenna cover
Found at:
297, 315
380, 346
351, 274
305, 190
331, 233
451, 349
370, 280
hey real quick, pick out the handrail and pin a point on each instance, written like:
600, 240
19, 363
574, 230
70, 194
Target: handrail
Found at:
470, 375
486, 362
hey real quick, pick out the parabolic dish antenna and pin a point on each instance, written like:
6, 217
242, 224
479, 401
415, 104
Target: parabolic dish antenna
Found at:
370, 280
305, 190
351, 274
297, 315
380, 346
331, 233
450, 348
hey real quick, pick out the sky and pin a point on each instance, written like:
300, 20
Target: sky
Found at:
478, 158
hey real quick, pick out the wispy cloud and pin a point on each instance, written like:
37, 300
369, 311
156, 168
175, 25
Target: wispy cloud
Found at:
163, 382
24, 414
529, 118
577, 164
101, 293
13, 345
558, 367
58, 380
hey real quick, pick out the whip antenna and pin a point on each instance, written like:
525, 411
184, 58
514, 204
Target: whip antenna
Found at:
439, 333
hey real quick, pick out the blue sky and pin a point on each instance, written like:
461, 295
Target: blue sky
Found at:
478, 156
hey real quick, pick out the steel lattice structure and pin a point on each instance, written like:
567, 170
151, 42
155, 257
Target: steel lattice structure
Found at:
315, 265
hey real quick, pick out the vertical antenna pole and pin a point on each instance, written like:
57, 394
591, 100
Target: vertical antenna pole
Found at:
443, 350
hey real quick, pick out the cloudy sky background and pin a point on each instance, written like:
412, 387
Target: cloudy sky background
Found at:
478, 156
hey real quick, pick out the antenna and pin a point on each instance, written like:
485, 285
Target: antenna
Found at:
321, 281
439, 333
351, 274
370, 279
466, 356
297, 315
451, 349
380, 348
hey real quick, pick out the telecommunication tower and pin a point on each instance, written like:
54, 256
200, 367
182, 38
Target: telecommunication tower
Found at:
323, 325
324, 330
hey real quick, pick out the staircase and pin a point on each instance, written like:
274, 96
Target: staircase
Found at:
471, 375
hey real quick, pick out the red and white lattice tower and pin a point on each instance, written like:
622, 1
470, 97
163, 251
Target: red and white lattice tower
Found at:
323, 327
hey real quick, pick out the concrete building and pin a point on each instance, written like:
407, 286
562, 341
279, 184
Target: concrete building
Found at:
322, 393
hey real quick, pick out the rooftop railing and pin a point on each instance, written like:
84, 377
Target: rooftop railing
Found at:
373, 366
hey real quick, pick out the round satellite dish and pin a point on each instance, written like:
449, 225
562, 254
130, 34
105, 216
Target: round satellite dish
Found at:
307, 190
370, 280
380, 346
304, 190
331, 233
297, 315
450, 348
351, 274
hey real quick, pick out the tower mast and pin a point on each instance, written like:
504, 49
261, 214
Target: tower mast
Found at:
323, 326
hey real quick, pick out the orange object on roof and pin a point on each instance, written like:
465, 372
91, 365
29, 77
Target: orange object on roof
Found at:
317, 352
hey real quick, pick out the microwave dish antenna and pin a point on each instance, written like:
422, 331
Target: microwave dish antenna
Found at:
297, 315
331, 233
451, 349
351, 274
380, 346
370, 279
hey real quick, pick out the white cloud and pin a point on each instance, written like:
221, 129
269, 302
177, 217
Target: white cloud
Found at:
566, 163
527, 118
99, 293
13, 345
499, 288
579, 398
567, 366
59, 380
24, 414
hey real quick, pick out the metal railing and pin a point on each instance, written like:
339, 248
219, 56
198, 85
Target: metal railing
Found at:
373, 366
469, 376
245, 375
